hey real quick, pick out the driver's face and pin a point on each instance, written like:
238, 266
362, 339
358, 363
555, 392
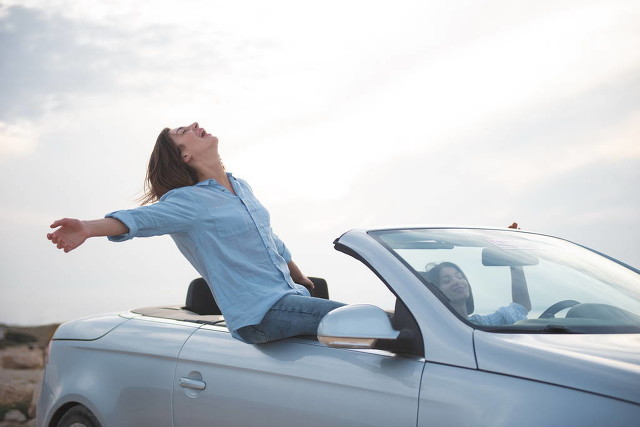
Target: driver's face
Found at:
453, 284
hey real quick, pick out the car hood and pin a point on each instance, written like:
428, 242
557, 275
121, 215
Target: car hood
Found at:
606, 364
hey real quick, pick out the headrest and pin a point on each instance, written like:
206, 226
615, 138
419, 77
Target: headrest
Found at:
200, 299
320, 290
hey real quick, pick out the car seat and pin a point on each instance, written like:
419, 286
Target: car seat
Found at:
200, 300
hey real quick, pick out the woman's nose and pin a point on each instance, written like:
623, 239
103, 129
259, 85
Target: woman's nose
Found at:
194, 125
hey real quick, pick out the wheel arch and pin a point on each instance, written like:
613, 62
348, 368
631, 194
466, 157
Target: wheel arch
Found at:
55, 418
66, 407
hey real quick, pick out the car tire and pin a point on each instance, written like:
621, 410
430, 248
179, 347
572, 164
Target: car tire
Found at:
78, 416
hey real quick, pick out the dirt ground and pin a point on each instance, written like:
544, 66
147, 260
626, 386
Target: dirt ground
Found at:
21, 370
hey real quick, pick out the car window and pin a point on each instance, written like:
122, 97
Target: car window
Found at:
357, 284
491, 286
567, 285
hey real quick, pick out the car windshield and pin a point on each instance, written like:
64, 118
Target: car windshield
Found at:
514, 281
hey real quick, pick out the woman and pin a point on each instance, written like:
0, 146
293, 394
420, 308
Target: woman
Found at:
454, 285
224, 232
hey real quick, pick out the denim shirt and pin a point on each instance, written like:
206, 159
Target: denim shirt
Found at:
228, 240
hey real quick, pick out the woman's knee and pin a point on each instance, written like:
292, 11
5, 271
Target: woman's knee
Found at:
252, 334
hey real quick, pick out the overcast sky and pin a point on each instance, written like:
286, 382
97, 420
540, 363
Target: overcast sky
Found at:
340, 114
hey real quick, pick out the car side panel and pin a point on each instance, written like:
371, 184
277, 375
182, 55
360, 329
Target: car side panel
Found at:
125, 377
293, 382
452, 396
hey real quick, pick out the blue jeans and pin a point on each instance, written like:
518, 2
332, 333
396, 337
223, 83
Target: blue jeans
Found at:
292, 315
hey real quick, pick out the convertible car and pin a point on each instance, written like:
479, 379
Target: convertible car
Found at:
514, 329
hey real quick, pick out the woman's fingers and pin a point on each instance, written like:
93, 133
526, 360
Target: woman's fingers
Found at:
65, 245
70, 234
58, 240
58, 237
55, 237
57, 223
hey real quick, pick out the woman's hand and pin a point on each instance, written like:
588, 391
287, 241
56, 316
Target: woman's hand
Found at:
71, 234
298, 277
306, 282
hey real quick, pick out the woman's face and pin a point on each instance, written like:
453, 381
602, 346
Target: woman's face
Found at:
192, 140
453, 284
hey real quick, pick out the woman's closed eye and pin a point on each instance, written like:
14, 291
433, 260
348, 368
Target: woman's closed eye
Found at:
448, 279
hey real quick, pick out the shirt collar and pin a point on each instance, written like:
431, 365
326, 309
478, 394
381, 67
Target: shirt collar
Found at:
211, 181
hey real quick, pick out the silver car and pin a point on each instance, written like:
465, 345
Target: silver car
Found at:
526, 330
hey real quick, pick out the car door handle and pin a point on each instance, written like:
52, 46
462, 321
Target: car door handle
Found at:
194, 384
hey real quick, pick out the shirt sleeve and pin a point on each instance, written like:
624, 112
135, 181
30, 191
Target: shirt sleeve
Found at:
513, 313
507, 315
174, 213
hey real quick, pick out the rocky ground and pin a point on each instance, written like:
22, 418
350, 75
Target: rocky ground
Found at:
21, 366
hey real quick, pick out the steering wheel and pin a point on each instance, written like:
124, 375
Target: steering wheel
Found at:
550, 312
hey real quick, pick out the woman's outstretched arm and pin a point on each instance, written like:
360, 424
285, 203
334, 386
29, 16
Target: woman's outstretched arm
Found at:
73, 232
519, 289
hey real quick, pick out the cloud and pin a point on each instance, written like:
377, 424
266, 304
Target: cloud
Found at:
51, 60
17, 139
44, 65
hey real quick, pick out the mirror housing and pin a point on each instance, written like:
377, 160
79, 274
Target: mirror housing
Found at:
355, 326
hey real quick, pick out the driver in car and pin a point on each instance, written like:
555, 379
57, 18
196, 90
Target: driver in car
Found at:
454, 285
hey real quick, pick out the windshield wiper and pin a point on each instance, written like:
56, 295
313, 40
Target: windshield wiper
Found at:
558, 329
549, 329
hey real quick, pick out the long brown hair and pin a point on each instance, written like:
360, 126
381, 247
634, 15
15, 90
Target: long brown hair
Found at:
166, 170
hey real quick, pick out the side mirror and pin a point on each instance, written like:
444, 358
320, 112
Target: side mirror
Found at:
355, 326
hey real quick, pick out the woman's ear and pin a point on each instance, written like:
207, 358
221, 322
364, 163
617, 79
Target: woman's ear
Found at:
186, 158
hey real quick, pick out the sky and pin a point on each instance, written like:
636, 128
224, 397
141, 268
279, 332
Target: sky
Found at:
340, 114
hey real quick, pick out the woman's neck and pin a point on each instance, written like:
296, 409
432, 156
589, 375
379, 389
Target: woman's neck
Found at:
216, 173
214, 170
461, 308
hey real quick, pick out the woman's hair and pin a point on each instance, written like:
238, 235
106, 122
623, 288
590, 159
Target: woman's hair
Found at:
432, 271
432, 274
166, 170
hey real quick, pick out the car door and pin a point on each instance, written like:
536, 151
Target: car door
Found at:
222, 381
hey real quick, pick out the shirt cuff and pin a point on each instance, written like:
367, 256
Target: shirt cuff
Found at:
126, 219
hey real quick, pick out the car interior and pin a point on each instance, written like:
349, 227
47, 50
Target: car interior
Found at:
201, 307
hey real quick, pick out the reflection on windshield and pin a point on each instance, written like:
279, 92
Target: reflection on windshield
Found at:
525, 281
